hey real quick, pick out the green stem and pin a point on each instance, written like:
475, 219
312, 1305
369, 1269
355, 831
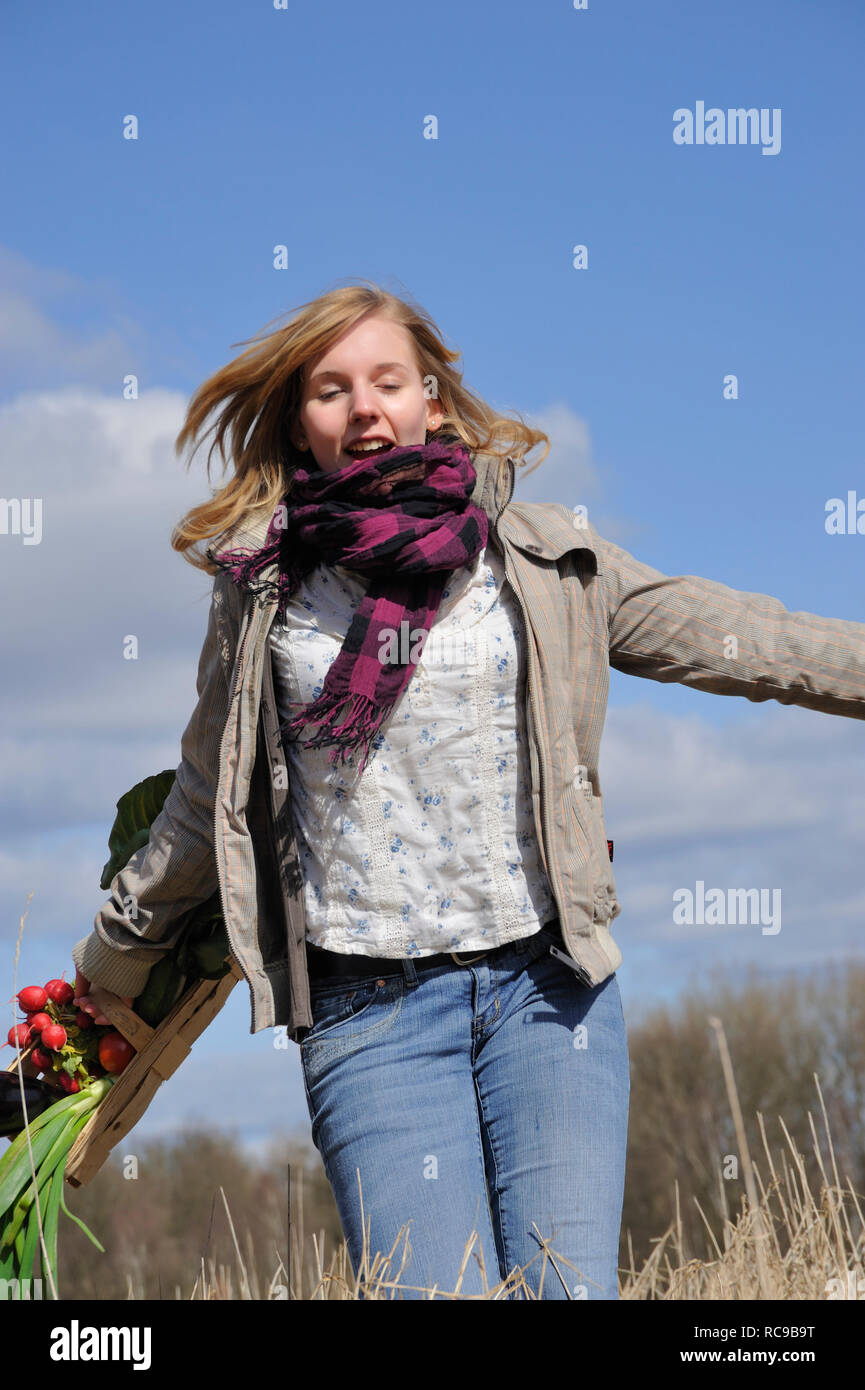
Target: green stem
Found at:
49, 1225
78, 1222
46, 1178
56, 1154
8, 1264
96, 1090
15, 1169
31, 1237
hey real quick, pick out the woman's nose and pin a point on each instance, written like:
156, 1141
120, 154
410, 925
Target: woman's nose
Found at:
362, 405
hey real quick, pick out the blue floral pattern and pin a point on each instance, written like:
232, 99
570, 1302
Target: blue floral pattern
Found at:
434, 847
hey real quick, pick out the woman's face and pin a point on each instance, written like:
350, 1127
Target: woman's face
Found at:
366, 385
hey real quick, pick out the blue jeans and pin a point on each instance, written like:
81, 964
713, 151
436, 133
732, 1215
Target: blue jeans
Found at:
489, 1097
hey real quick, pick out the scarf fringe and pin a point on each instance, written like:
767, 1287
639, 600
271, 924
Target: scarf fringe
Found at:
361, 725
243, 567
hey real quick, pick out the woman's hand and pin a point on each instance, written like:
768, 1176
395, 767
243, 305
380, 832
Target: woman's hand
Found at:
83, 1000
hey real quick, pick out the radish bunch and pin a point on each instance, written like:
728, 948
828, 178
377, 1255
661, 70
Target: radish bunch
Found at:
63, 1042
71, 1051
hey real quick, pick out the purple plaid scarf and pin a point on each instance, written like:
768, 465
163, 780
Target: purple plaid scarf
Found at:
406, 518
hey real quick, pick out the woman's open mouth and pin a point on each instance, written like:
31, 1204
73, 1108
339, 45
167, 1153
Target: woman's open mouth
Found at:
362, 451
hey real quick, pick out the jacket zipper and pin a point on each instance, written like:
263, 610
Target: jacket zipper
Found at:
533, 705
534, 711
231, 950
544, 827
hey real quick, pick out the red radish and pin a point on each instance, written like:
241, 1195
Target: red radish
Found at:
39, 1021
69, 1083
54, 1037
21, 1032
32, 999
41, 1059
82, 1019
59, 991
115, 1053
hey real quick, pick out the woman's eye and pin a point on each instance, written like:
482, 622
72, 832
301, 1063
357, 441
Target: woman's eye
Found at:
388, 386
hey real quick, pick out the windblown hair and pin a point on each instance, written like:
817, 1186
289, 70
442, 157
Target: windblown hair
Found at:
259, 395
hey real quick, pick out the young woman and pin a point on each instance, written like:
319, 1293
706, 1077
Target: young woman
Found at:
391, 776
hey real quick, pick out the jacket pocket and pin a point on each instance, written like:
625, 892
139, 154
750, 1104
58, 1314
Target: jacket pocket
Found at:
604, 903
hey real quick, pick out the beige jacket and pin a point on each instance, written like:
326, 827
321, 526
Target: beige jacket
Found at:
587, 605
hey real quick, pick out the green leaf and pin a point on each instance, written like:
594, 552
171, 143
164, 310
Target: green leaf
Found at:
15, 1173
209, 950
19, 1177
50, 1220
78, 1222
8, 1263
31, 1236
137, 809
164, 986
63, 1142
25, 1212
19, 1143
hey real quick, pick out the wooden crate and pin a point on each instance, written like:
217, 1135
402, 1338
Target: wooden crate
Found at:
159, 1052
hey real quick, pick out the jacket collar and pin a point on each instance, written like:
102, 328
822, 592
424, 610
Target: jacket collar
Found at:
545, 531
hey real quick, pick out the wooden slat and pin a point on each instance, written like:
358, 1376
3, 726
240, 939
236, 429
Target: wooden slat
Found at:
161, 1052
133, 1028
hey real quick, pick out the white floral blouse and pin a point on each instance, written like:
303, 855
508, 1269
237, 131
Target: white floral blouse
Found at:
434, 847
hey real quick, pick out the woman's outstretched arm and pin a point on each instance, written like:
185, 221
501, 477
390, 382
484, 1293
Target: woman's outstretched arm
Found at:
727, 641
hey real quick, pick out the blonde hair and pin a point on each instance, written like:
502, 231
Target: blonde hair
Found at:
260, 392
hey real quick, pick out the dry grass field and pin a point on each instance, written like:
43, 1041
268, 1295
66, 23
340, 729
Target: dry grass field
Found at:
786, 1242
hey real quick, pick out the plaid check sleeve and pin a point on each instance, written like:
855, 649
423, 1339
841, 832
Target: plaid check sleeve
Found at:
704, 634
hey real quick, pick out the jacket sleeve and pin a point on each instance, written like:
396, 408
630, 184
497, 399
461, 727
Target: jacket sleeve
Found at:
176, 870
727, 641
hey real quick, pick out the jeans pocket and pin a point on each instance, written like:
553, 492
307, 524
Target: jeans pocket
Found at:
334, 1005
346, 1016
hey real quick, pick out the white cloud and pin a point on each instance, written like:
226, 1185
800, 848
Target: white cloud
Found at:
111, 490
774, 768
571, 474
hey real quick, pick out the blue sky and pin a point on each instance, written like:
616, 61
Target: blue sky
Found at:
303, 127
